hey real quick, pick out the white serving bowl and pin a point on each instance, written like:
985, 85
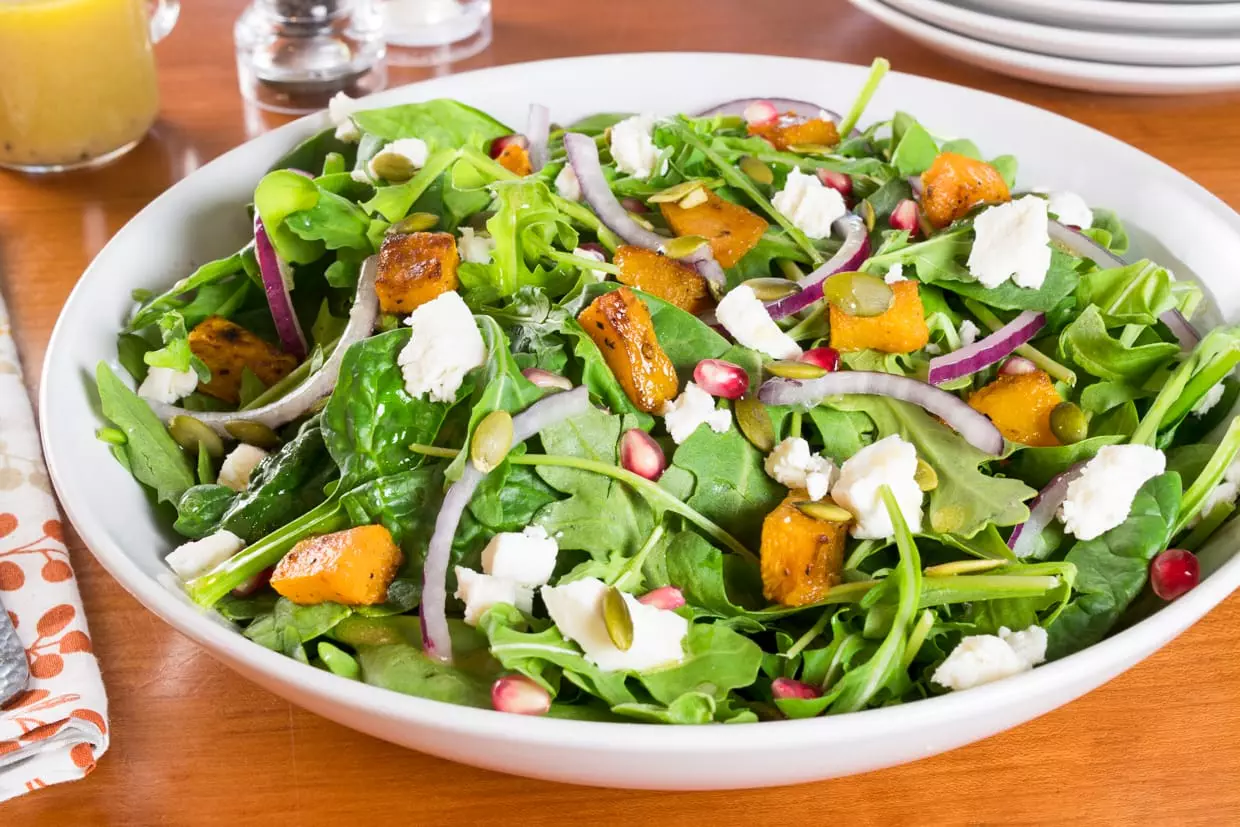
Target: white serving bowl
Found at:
202, 217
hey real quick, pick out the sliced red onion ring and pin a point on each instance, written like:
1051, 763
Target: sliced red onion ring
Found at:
803, 108
914, 183
583, 157
538, 130
544, 413
276, 278
854, 250
974, 427
1182, 328
361, 322
986, 352
1042, 510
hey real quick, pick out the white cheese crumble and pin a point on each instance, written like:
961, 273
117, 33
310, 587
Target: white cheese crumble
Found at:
340, 109
475, 247
1206, 403
445, 346
980, 659
238, 465
892, 462
1070, 208
792, 464
167, 385
527, 558
809, 204
567, 185
933, 349
189, 560
361, 176
693, 408
482, 591
632, 146
413, 150
597, 275
895, 274
968, 333
744, 316
577, 610
1100, 497
1226, 491
1011, 241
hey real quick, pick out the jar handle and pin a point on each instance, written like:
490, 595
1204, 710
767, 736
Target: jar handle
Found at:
164, 14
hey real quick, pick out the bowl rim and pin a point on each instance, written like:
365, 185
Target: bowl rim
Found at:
1109, 656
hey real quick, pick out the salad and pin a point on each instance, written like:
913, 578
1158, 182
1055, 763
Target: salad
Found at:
735, 415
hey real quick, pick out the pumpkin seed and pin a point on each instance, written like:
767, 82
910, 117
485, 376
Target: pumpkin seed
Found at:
694, 199
963, 567
681, 246
189, 433
393, 167
641, 222
1068, 423
112, 436
492, 441
253, 433
927, 478
859, 294
755, 423
825, 510
414, 223
788, 369
810, 149
617, 619
676, 192
758, 171
867, 214
773, 289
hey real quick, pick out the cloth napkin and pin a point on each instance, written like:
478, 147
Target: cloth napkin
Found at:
57, 728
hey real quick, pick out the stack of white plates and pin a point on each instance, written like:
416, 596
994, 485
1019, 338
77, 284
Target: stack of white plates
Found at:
1134, 46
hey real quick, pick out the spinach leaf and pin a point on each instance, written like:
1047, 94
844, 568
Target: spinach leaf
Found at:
311, 154
333, 220
441, 123
1037, 466
201, 508
689, 708
406, 504
1108, 231
131, 351
289, 626
406, 669
278, 195
717, 660
1061, 281
153, 457
913, 150
1086, 342
710, 580
394, 202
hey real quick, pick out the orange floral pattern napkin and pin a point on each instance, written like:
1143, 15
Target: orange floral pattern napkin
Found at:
57, 728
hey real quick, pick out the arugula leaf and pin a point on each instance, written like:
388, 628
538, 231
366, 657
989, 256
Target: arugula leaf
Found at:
1086, 342
278, 195
290, 625
177, 296
717, 660
441, 123
1134, 294
708, 578
843, 433
1061, 280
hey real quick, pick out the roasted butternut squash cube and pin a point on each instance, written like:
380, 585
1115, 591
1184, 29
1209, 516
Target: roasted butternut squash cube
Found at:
802, 556
353, 567
955, 184
668, 278
902, 329
790, 129
415, 268
731, 229
515, 158
619, 323
1020, 406
227, 349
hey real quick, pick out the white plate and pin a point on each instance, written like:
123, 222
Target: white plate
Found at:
1112, 47
1152, 17
203, 217
1058, 71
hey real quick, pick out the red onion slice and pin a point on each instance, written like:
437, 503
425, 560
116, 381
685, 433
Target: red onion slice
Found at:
974, 427
362, 317
986, 352
1182, 328
803, 108
544, 413
1042, 510
850, 255
914, 183
276, 278
538, 130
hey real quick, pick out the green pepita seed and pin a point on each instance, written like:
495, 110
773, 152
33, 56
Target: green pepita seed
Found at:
617, 619
414, 223
694, 199
927, 478
810, 149
867, 214
963, 567
675, 192
112, 436
681, 246
858, 294
825, 510
755, 423
788, 369
253, 433
773, 289
1069, 423
492, 441
641, 222
758, 171
189, 433
393, 167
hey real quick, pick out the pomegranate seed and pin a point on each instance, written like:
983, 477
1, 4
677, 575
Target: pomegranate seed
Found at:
519, 695
498, 145
760, 113
594, 247
634, 205
665, 597
253, 584
547, 379
787, 689
827, 358
905, 216
720, 378
837, 181
1174, 572
640, 454
1017, 366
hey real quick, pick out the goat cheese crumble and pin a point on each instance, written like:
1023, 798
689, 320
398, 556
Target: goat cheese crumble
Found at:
792, 464
238, 465
445, 346
895, 274
167, 385
744, 316
1011, 241
980, 659
567, 185
340, 109
527, 557
1070, 208
809, 204
576, 608
482, 591
892, 461
475, 248
693, 408
632, 146
189, 560
1101, 496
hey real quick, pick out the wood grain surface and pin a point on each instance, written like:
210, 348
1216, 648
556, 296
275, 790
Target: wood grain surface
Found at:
193, 743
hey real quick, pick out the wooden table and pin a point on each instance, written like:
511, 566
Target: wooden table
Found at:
194, 743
